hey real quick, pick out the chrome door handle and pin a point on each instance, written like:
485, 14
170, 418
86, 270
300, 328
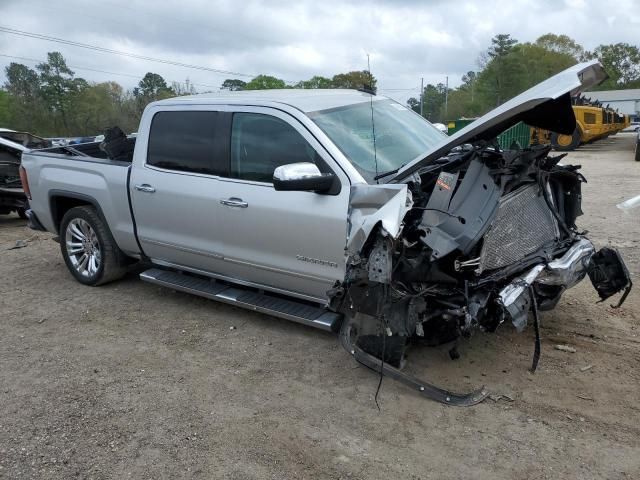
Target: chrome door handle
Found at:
145, 187
234, 202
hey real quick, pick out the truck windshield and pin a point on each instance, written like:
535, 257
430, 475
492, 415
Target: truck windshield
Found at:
400, 134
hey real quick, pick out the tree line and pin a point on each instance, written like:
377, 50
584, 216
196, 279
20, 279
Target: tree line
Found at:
50, 100
509, 67
356, 79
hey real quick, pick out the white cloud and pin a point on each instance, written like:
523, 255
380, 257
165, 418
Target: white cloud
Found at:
295, 40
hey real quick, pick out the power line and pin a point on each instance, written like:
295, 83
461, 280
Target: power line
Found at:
49, 38
35, 60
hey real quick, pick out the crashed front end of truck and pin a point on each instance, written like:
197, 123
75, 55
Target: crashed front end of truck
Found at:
468, 239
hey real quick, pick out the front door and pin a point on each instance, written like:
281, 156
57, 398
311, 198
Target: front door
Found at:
294, 241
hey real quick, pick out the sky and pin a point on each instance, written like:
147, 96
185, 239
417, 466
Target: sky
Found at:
295, 40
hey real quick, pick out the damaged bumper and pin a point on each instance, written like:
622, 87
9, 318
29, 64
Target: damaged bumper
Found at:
563, 273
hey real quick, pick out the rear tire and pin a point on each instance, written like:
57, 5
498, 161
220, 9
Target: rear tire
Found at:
637, 156
565, 143
22, 213
88, 248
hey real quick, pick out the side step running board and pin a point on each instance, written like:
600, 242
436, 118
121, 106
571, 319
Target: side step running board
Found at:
306, 314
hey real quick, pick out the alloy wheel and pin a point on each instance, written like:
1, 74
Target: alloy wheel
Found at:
83, 247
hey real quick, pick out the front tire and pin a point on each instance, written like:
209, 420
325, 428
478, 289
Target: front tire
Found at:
88, 249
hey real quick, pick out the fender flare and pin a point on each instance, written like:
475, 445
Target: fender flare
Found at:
53, 207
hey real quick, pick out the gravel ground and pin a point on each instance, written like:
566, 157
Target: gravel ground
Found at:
131, 380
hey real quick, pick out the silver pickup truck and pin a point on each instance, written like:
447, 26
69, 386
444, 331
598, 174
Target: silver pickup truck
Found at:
338, 209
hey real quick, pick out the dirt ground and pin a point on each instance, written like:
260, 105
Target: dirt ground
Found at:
131, 380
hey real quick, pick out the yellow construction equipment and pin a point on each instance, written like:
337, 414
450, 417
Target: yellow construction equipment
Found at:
593, 122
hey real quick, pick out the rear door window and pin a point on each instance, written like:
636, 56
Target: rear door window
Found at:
260, 143
187, 142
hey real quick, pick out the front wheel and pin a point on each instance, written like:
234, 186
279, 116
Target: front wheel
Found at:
88, 248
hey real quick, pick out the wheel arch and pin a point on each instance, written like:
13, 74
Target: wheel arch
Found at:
61, 201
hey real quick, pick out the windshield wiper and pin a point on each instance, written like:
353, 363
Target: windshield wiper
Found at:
390, 172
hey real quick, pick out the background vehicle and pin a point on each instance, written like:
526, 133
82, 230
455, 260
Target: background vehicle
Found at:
593, 122
441, 126
78, 140
289, 202
12, 145
634, 126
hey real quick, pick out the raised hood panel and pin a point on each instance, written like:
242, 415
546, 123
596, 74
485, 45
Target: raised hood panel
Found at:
546, 105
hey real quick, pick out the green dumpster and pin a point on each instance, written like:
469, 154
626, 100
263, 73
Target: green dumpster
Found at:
454, 125
516, 137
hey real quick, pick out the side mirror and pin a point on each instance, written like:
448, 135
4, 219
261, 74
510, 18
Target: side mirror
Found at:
304, 176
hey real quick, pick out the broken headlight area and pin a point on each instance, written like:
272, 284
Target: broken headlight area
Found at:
483, 232
609, 275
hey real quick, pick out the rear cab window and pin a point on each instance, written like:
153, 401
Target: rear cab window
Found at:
187, 141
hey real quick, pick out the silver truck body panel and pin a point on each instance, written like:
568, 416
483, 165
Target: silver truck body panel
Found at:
104, 181
300, 100
272, 240
371, 205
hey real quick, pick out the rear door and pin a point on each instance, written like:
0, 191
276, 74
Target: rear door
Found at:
174, 187
293, 241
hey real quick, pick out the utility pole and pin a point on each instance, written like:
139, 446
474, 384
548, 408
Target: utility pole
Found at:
422, 97
446, 97
473, 87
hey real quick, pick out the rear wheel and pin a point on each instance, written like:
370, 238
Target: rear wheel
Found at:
22, 213
566, 142
638, 150
88, 248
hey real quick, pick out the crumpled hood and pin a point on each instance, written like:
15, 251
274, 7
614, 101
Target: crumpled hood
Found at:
546, 105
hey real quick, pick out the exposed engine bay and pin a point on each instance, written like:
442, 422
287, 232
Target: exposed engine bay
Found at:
485, 237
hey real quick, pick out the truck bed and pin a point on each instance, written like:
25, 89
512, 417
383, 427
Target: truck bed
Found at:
91, 149
82, 173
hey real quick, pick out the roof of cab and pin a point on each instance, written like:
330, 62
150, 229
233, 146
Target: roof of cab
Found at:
309, 100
